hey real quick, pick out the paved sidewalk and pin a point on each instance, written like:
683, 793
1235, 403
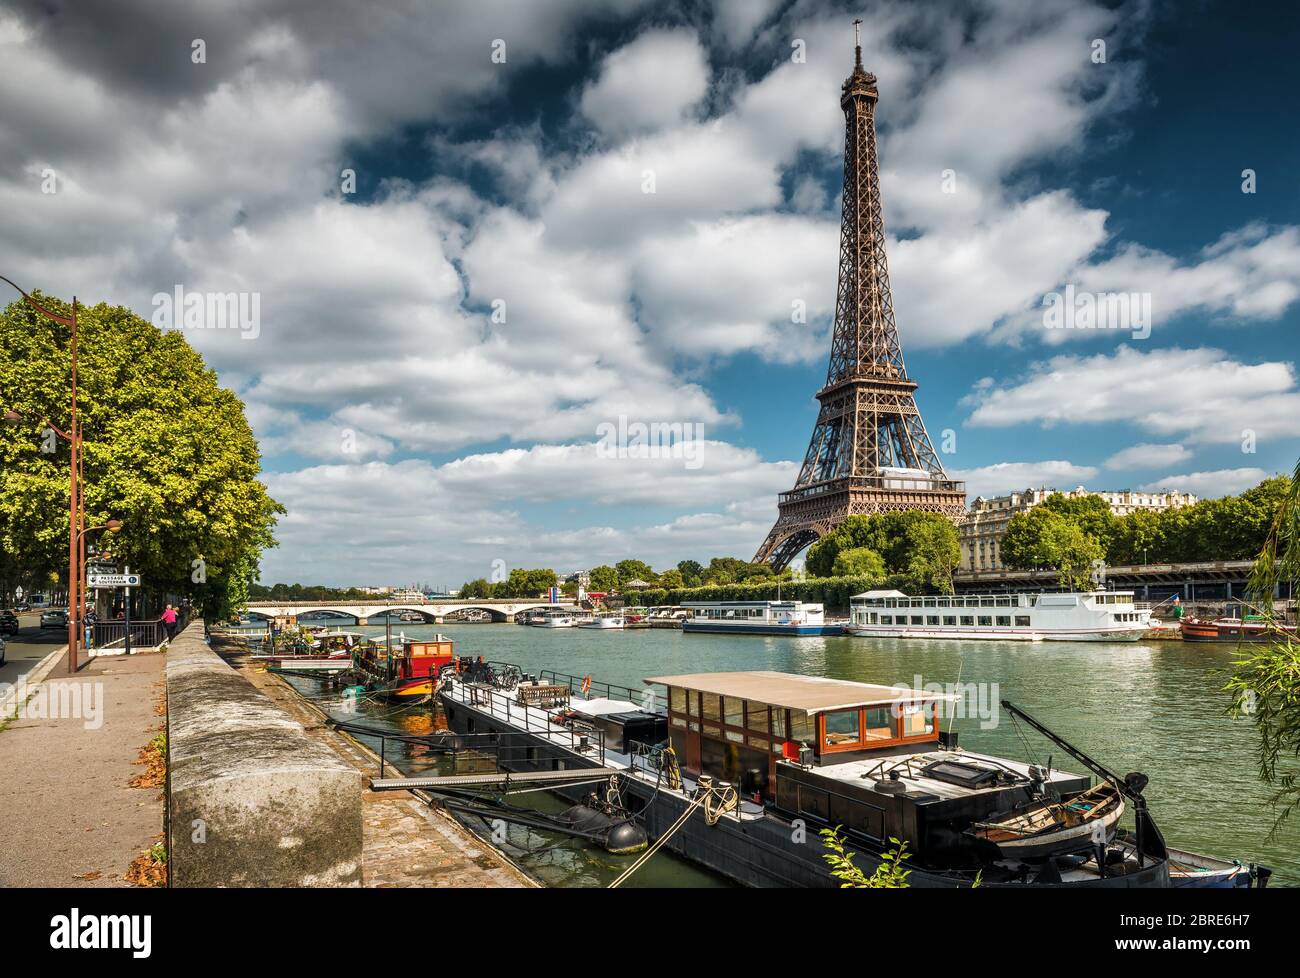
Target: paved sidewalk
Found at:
67, 811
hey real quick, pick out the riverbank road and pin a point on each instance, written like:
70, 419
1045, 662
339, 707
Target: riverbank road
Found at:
26, 650
68, 814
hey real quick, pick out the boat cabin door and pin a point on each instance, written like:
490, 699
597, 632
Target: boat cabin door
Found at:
692, 750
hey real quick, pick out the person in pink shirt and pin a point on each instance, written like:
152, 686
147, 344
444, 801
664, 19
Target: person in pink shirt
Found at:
169, 621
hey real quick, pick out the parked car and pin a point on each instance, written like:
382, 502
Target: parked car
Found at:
2, 651
8, 623
54, 619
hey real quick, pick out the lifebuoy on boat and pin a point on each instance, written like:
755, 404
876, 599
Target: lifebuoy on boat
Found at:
586, 685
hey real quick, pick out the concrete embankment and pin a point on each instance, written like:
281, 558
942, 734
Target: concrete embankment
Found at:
405, 841
251, 799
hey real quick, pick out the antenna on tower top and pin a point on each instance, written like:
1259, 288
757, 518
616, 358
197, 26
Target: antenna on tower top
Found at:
857, 42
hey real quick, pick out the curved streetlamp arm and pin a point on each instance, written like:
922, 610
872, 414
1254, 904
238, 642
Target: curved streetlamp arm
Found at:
57, 317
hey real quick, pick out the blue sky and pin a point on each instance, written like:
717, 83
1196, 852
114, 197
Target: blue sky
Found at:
414, 438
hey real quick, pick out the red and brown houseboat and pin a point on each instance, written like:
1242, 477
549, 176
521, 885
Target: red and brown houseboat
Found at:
406, 672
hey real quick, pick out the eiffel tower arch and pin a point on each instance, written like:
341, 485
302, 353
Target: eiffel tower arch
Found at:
869, 452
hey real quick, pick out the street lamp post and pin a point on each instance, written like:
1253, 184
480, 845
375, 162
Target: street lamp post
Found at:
73, 438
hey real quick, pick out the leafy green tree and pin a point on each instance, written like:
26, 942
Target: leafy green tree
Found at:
633, 570
1136, 539
603, 579
922, 548
1265, 685
859, 562
889, 875
1091, 514
166, 451
692, 571
671, 578
477, 588
1041, 538
525, 583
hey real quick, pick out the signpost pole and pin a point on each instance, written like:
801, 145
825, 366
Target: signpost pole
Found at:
127, 607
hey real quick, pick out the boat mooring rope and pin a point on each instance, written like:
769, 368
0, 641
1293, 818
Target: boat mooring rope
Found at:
727, 800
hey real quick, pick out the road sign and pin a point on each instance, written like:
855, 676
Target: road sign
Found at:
113, 580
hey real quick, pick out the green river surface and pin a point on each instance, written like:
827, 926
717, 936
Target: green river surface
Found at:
1153, 707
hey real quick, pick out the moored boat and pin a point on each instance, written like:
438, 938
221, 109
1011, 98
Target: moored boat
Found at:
408, 671
754, 752
607, 620
757, 618
1086, 616
1235, 630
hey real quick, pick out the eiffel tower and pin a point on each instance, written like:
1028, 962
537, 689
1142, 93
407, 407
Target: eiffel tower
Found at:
870, 452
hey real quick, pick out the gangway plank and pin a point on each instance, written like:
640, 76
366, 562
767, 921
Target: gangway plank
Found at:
433, 783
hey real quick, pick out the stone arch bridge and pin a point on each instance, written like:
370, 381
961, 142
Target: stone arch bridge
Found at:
433, 611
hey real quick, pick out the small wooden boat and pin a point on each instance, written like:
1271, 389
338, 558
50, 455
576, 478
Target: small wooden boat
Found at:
1046, 827
1235, 630
1191, 870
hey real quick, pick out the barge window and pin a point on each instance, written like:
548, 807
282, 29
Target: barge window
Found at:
986, 620
756, 717
968, 619
932, 619
886, 619
841, 728
950, 619
802, 727
916, 619
1022, 621
917, 720
880, 725
1004, 621
733, 711
712, 708
676, 699
778, 724
692, 703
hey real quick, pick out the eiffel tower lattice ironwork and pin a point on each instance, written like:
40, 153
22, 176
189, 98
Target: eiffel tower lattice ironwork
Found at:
870, 451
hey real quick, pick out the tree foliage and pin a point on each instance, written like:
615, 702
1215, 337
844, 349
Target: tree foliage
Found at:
889, 875
166, 451
1265, 685
919, 548
1044, 538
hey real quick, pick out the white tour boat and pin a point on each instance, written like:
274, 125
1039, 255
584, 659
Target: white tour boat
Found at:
757, 618
608, 620
1077, 616
556, 619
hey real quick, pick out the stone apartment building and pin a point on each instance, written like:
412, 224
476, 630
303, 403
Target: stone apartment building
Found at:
981, 531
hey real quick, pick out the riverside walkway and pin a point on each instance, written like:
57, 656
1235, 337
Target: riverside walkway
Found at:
69, 814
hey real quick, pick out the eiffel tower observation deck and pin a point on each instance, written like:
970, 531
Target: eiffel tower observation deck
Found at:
869, 452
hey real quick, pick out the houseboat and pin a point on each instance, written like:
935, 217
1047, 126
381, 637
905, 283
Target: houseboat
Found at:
407, 671
1087, 616
757, 618
757, 763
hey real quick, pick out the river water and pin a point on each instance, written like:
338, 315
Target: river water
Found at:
1152, 707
